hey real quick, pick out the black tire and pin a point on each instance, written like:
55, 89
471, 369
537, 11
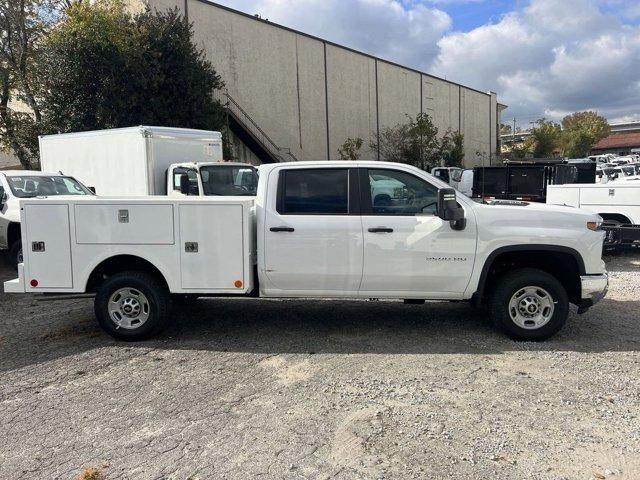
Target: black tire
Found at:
15, 252
609, 243
156, 297
514, 282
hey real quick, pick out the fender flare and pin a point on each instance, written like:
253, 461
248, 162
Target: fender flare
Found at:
477, 296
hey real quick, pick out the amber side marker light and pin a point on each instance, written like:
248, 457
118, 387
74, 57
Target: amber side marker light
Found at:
594, 225
238, 284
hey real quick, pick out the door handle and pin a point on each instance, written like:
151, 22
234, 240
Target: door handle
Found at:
282, 229
381, 230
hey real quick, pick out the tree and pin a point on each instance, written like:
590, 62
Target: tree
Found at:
452, 149
350, 149
100, 67
505, 129
415, 143
546, 138
23, 24
581, 131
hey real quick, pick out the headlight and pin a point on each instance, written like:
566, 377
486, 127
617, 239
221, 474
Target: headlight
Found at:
595, 226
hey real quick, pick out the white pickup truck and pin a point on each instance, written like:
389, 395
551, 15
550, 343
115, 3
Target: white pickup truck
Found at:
17, 184
314, 229
617, 203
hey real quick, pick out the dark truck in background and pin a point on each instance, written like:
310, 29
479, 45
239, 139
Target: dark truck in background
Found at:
528, 181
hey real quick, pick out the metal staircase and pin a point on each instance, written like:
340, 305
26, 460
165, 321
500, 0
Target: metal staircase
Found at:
245, 128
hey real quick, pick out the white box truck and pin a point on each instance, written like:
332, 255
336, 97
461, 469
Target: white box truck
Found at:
148, 161
316, 229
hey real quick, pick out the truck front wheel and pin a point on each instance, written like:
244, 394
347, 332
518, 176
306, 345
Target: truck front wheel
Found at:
529, 304
132, 306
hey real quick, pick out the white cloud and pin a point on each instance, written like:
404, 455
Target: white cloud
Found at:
546, 58
550, 58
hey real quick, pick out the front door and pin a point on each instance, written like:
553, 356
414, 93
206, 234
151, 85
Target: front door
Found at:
407, 248
313, 232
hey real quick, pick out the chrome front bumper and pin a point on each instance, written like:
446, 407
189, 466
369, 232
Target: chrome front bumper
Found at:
594, 287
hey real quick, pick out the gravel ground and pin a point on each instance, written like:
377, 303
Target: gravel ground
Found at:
316, 389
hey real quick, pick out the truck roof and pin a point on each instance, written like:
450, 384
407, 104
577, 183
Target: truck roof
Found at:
143, 130
30, 173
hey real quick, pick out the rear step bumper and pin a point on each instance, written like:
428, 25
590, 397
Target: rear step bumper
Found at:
17, 284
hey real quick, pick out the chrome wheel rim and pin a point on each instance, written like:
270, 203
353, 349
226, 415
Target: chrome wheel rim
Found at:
531, 307
129, 308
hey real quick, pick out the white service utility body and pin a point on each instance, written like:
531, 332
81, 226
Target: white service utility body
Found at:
617, 202
316, 229
146, 160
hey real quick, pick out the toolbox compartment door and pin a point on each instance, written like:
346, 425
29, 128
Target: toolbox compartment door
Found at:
124, 224
47, 252
212, 247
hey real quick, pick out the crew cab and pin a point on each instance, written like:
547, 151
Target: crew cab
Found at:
316, 229
17, 184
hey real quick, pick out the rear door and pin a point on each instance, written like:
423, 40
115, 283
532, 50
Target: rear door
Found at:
211, 246
313, 231
47, 254
407, 248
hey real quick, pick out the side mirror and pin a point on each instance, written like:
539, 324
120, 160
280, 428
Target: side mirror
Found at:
185, 184
92, 189
448, 208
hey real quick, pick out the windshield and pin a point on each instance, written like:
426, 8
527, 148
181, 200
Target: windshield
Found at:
29, 186
229, 180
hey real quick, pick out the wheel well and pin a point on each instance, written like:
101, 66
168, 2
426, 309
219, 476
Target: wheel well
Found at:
615, 216
121, 263
13, 233
564, 266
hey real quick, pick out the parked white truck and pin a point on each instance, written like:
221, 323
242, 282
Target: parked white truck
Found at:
148, 160
618, 203
315, 230
17, 184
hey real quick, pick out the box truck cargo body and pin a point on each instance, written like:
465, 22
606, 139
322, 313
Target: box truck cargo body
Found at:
128, 161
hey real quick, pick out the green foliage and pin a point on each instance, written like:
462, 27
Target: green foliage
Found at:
546, 138
100, 67
452, 149
350, 149
520, 150
581, 131
415, 142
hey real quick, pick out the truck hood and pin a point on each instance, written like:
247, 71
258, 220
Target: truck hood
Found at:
533, 209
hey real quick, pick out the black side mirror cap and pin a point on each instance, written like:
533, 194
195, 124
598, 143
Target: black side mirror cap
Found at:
449, 210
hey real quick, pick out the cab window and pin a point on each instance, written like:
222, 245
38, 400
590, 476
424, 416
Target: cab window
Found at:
191, 179
399, 193
318, 191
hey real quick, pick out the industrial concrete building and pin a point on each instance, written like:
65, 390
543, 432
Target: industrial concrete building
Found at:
293, 96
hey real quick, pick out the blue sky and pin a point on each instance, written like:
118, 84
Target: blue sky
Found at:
543, 57
469, 15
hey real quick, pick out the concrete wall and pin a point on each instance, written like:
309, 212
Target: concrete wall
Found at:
309, 95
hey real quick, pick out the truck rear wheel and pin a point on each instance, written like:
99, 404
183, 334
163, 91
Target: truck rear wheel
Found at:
132, 306
529, 304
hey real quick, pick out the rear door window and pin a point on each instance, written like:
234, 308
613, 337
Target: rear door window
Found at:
318, 191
